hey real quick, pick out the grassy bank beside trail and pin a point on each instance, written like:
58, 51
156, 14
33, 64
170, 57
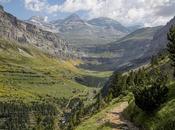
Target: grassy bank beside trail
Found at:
97, 121
161, 119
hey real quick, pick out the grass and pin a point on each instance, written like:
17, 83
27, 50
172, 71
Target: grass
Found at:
163, 118
28, 74
96, 122
146, 33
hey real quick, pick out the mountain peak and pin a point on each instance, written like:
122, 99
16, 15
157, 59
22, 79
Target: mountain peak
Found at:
38, 19
108, 23
73, 17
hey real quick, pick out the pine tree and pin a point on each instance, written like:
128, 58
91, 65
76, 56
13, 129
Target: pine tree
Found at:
99, 101
116, 85
130, 79
154, 60
149, 98
151, 94
171, 45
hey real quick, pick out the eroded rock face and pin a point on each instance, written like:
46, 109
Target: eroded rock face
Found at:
26, 33
160, 41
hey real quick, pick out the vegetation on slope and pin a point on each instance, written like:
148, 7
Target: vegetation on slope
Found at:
151, 104
98, 121
32, 73
35, 87
163, 117
122, 84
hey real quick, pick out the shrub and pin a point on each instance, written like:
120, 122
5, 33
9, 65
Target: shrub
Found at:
168, 125
149, 98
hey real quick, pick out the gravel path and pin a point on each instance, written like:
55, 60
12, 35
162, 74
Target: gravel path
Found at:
115, 119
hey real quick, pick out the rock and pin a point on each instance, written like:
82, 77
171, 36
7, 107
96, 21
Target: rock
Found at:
25, 33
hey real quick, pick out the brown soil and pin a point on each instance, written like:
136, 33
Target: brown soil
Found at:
116, 121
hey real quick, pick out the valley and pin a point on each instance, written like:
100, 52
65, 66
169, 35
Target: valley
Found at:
85, 74
29, 75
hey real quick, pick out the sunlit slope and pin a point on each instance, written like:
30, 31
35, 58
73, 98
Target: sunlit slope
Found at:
28, 74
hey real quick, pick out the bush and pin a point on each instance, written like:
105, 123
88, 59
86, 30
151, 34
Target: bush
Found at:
150, 98
114, 86
168, 125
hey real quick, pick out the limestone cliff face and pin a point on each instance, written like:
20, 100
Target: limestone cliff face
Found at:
160, 41
25, 33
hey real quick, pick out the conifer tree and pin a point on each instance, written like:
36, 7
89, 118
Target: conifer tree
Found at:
99, 101
171, 45
154, 60
116, 85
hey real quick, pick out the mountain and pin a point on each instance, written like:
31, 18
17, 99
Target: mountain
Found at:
133, 28
73, 19
27, 33
138, 47
34, 84
108, 23
142, 33
42, 23
159, 41
83, 34
128, 52
109, 45
57, 22
73, 22
39, 20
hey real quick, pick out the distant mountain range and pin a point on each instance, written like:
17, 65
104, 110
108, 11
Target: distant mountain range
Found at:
104, 44
109, 24
85, 33
131, 51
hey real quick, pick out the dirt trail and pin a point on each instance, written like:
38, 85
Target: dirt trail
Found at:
115, 119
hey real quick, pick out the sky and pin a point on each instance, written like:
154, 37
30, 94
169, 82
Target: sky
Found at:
128, 12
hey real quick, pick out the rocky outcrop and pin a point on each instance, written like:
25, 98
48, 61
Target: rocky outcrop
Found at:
25, 33
42, 23
160, 41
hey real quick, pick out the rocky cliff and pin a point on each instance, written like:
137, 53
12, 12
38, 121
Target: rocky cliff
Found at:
160, 41
25, 33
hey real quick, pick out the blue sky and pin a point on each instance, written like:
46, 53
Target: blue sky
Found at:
18, 8
127, 12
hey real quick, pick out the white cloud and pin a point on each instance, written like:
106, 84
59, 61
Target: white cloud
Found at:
36, 5
45, 19
147, 12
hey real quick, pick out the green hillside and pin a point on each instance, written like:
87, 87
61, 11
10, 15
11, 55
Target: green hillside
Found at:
32, 81
144, 33
27, 73
99, 121
162, 118
124, 54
